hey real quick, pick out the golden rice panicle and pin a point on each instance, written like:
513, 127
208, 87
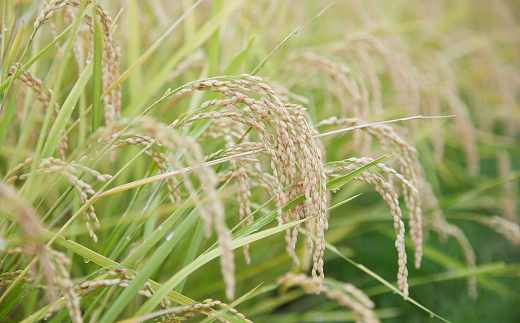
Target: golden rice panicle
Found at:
444, 228
123, 280
289, 143
161, 160
465, 126
343, 80
387, 192
110, 59
243, 191
402, 73
194, 61
409, 171
213, 212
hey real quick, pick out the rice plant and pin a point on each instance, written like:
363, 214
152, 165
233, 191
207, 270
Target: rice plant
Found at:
256, 161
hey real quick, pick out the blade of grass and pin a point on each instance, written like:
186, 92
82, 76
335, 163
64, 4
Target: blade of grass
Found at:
157, 235
15, 47
194, 245
150, 51
133, 49
291, 35
492, 269
238, 59
6, 120
66, 111
97, 75
34, 181
214, 42
52, 44
447, 261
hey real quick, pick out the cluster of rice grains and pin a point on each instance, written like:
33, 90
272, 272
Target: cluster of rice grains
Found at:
287, 139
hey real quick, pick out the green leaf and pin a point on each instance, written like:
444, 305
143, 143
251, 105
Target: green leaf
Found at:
52, 45
15, 48
214, 43
340, 181
6, 120
66, 111
97, 76
158, 234
238, 59
223, 313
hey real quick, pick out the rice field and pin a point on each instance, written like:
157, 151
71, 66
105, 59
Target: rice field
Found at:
259, 161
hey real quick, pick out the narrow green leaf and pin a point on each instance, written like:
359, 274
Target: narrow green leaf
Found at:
97, 76
222, 313
214, 43
238, 59
15, 48
52, 44
492, 269
66, 111
13, 299
447, 261
6, 120
277, 48
340, 181
194, 245
134, 49
158, 234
